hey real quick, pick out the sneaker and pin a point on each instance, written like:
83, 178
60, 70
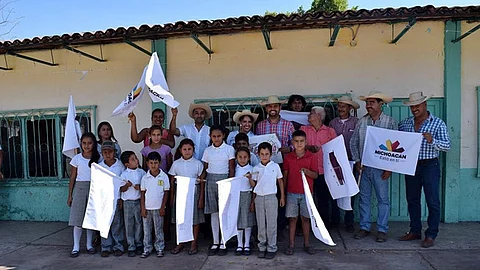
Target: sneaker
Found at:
270, 255
104, 254
361, 234
139, 251
132, 253
160, 253
145, 254
381, 237
261, 254
117, 253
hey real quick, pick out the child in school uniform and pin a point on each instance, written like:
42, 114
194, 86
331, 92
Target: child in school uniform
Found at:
241, 140
264, 178
188, 166
246, 211
153, 201
78, 190
131, 202
294, 163
219, 164
115, 236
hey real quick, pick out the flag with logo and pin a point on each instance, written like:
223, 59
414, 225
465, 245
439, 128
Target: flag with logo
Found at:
184, 208
391, 150
72, 131
337, 171
132, 99
318, 227
102, 200
272, 139
228, 204
158, 87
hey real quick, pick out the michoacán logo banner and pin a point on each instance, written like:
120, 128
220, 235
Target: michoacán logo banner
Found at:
390, 149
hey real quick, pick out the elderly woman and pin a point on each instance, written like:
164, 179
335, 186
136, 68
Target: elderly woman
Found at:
158, 116
245, 119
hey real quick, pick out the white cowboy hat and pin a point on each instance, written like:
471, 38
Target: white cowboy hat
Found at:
416, 98
273, 100
238, 115
208, 110
348, 100
377, 94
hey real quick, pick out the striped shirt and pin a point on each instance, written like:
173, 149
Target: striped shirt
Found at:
358, 138
283, 128
434, 126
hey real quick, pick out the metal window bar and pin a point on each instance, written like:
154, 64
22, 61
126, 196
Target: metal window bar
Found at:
32, 143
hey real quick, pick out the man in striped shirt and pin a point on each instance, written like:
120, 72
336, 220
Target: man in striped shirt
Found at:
427, 174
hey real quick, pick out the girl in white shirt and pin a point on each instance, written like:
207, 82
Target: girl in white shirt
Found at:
219, 164
78, 190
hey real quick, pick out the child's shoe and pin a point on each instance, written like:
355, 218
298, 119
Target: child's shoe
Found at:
160, 253
132, 253
145, 254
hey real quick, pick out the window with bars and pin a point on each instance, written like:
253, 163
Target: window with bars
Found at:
224, 109
32, 142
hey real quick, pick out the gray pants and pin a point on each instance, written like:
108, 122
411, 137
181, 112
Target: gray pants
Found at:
153, 216
133, 224
115, 236
266, 208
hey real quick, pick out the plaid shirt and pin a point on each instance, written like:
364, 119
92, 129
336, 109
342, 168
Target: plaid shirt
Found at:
358, 138
283, 128
434, 126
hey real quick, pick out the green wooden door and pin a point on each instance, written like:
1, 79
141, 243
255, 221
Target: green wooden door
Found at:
398, 202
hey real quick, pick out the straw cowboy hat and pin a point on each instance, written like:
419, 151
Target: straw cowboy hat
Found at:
348, 100
238, 115
377, 94
208, 110
273, 100
416, 98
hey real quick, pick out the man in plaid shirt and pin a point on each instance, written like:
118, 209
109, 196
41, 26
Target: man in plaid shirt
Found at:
427, 174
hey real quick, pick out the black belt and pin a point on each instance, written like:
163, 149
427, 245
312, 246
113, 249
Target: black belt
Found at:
426, 161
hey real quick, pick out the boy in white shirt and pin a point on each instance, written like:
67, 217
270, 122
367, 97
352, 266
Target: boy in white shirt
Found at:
153, 201
264, 178
131, 202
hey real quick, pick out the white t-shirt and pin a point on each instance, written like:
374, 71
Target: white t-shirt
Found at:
134, 176
83, 170
266, 178
154, 188
200, 138
218, 158
241, 171
117, 168
192, 167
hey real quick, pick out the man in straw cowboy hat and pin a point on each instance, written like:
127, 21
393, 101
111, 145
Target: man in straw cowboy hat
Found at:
245, 119
345, 125
427, 174
198, 132
371, 176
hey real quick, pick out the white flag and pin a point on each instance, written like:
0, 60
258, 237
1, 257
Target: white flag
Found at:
299, 117
102, 200
228, 205
391, 150
72, 136
338, 172
318, 227
155, 80
184, 208
131, 100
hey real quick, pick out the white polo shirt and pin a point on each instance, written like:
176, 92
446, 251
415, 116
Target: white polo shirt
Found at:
117, 168
83, 170
218, 158
154, 187
266, 178
200, 138
192, 167
241, 171
134, 176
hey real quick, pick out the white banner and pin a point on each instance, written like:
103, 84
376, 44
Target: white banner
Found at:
102, 200
391, 150
72, 131
299, 117
131, 101
158, 87
270, 138
184, 208
318, 228
228, 205
338, 172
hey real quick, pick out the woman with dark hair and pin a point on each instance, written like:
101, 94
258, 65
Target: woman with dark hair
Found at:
105, 133
158, 116
245, 119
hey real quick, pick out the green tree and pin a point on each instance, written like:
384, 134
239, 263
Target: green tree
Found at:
329, 5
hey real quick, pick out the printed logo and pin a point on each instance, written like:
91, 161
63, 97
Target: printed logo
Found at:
391, 151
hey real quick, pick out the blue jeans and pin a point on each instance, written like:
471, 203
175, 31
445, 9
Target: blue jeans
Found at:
372, 177
115, 236
427, 175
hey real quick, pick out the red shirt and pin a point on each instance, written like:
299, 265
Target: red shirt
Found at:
293, 164
319, 137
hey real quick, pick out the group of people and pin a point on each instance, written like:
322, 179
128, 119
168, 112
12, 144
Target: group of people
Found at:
271, 193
